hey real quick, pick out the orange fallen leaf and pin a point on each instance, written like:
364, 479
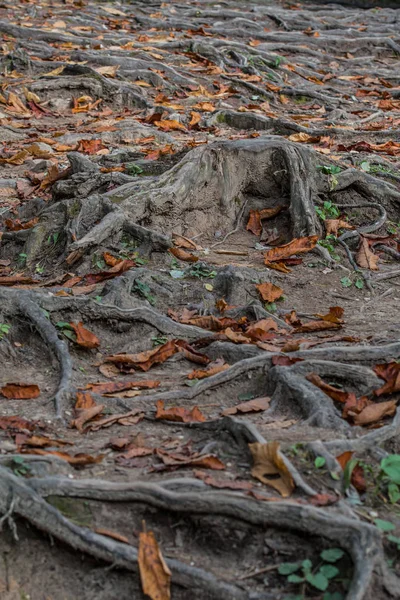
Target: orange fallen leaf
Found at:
373, 413
130, 418
154, 573
254, 222
18, 226
270, 468
183, 242
16, 423
183, 255
269, 292
213, 368
330, 390
78, 460
90, 146
256, 405
304, 138
277, 266
86, 415
111, 260
332, 226
84, 400
118, 269
357, 474
170, 125
316, 326
204, 461
296, 246
20, 391
180, 414
84, 337
391, 374
334, 315
110, 387
145, 360
222, 483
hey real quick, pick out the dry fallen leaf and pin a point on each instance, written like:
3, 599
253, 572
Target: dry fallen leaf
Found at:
183, 255
365, 258
255, 405
180, 414
154, 573
217, 366
84, 337
296, 246
373, 413
20, 391
269, 292
391, 374
268, 464
334, 315
332, 226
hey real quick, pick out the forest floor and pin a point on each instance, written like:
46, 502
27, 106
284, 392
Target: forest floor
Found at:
200, 285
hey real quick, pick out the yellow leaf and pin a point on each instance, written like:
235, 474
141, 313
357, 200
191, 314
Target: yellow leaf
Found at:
55, 72
209, 287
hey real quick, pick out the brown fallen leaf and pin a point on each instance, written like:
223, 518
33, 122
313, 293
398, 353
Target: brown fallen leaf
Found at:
170, 125
334, 315
109, 370
256, 405
90, 146
180, 414
155, 576
268, 464
119, 386
365, 258
183, 242
296, 246
304, 138
183, 255
118, 269
269, 292
78, 460
18, 226
332, 392
39, 441
217, 366
254, 223
132, 417
332, 226
373, 413
284, 361
145, 360
277, 266
20, 391
222, 483
205, 461
86, 415
316, 326
16, 423
84, 400
84, 337
390, 372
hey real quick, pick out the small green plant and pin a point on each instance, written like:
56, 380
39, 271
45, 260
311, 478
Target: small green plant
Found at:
317, 576
386, 527
53, 238
98, 261
39, 269
201, 270
20, 467
389, 476
270, 307
144, 290
133, 169
4, 329
329, 169
392, 228
329, 243
359, 283
159, 340
66, 330
329, 210
21, 261
346, 282
319, 462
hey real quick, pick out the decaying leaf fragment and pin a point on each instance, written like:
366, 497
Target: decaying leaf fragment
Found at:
154, 573
268, 463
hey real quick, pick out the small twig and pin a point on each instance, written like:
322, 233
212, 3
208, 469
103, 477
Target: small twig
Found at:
233, 230
259, 572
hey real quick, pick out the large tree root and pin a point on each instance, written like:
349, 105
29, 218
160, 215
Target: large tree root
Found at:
26, 307
361, 540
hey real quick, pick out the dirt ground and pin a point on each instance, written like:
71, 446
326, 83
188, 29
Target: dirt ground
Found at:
186, 191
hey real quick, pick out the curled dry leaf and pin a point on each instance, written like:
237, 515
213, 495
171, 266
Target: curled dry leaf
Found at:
16, 423
256, 405
222, 483
86, 415
155, 576
78, 460
256, 216
119, 386
268, 464
365, 258
145, 360
40, 441
334, 315
84, 337
296, 246
170, 125
332, 226
391, 374
120, 267
204, 461
316, 326
20, 391
332, 392
184, 242
277, 266
130, 418
84, 400
373, 413
183, 255
180, 414
269, 292
217, 366
304, 138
